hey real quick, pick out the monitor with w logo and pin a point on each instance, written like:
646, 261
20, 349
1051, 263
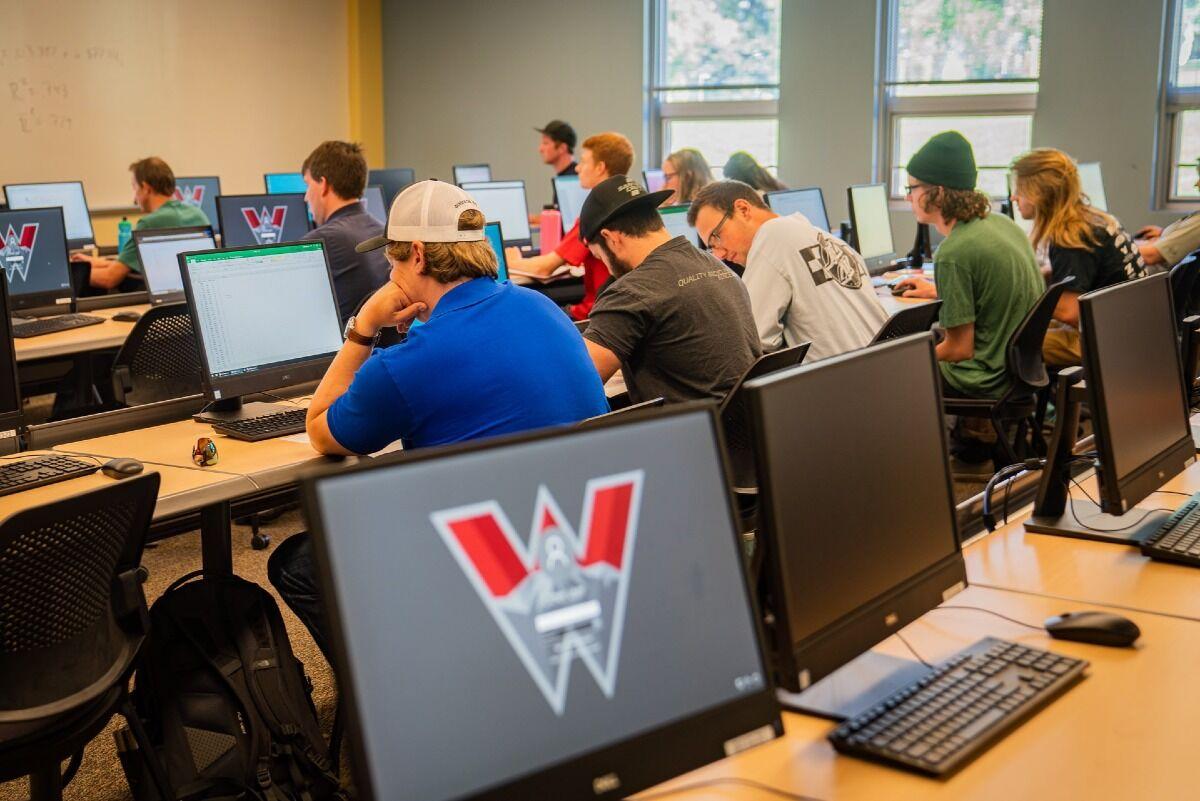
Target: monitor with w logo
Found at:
202, 193
33, 250
261, 219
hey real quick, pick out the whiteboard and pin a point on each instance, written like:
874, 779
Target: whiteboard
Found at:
233, 88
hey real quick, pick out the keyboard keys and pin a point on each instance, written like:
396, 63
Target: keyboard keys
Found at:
50, 325
267, 426
1178, 539
16, 476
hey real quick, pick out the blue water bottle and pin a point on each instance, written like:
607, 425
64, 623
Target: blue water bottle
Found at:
124, 233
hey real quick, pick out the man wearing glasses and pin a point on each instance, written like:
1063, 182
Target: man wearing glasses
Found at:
676, 321
805, 285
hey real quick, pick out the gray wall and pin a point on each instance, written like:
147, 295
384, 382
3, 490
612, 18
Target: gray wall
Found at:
467, 81
484, 83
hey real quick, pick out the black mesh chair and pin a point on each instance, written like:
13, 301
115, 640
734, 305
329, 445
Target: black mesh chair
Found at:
1027, 376
912, 320
160, 360
72, 618
1183, 284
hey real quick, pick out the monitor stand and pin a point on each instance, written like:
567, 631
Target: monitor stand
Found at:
225, 409
1081, 519
855, 687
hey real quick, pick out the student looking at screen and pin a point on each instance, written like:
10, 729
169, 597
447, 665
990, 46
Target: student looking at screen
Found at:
154, 193
1166, 247
600, 157
685, 172
490, 358
743, 167
1082, 241
805, 285
335, 178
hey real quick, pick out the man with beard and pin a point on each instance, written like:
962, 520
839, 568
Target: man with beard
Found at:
804, 285
676, 321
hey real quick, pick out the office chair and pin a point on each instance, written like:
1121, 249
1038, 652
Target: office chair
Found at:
1183, 284
160, 360
1189, 351
911, 320
1027, 376
72, 618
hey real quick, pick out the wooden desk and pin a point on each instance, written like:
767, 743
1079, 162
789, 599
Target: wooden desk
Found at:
107, 335
1119, 734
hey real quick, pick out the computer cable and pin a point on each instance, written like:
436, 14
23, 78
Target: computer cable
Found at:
766, 788
912, 650
1008, 471
989, 612
1071, 506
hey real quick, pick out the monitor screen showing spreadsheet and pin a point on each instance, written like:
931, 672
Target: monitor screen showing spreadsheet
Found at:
872, 225
202, 194
67, 195
248, 345
33, 249
503, 202
808, 202
1092, 183
262, 219
570, 199
373, 199
159, 250
675, 218
495, 238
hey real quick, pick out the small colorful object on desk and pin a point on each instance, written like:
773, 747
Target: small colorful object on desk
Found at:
205, 452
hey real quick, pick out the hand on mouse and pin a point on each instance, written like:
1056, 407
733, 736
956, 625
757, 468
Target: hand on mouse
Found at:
1148, 233
917, 288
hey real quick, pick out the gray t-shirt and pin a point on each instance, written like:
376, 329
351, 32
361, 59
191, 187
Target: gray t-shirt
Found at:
680, 324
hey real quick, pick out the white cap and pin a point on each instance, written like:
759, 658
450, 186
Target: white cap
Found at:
427, 211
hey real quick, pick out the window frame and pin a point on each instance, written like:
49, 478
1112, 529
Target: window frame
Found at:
1173, 102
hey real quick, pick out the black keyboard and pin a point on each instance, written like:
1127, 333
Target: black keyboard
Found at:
266, 426
1178, 538
48, 325
940, 723
39, 471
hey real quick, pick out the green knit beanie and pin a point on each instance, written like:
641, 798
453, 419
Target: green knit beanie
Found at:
945, 160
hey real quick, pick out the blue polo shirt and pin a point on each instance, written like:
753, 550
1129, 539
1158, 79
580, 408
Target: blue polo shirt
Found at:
492, 359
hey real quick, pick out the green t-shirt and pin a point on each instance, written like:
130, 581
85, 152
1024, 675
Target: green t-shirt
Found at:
172, 214
986, 274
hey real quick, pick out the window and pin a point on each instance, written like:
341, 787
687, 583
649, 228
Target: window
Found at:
1179, 147
714, 67
967, 65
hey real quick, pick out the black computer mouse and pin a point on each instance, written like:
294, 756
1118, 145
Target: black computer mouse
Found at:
1097, 628
121, 468
900, 287
127, 317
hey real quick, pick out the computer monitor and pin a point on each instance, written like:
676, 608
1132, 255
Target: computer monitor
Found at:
1092, 182
201, 193
12, 416
67, 195
393, 180
570, 199
504, 202
261, 219
654, 180
33, 248
373, 199
279, 183
604, 649
1136, 395
675, 218
248, 345
495, 237
872, 226
840, 575
472, 173
159, 250
810, 202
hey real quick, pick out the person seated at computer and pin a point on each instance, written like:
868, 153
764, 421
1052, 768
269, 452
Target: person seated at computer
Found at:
1163, 248
743, 167
685, 172
805, 285
600, 156
986, 272
335, 177
1082, 241
491, 358
676, 321
153, 193
557, 147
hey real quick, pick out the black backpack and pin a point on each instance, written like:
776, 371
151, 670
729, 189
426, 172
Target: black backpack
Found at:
224, 701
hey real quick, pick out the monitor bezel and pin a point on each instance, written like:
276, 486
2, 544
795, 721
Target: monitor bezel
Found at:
174, 295
520, 243
861, 629
49, 299
646, 178
269, 378
455, 168
820, 196
567, 179
876, 265
13, 421
1119, 494
688, 743
221, 214
267, 181
373, 177
501, 258
182, 179
72, 244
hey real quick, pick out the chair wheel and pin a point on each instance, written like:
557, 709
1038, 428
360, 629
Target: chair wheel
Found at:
143, 574
260, 542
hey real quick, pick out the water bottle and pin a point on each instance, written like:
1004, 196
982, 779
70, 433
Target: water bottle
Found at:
551, 230
124, 233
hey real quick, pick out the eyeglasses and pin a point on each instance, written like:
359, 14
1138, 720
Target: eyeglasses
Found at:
910, 188
669, 175
714, 239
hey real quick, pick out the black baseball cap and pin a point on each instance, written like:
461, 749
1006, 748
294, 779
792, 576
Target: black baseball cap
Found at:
613, 197
559, 131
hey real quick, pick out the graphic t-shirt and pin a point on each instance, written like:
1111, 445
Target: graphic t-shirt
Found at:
1114, 259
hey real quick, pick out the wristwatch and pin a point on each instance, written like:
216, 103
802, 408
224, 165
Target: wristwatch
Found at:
353, 336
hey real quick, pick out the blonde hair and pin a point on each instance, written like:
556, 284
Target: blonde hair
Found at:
1062, 215
447, 262
693, 171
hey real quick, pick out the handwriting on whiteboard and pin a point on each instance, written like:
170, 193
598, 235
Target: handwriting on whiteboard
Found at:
37, 91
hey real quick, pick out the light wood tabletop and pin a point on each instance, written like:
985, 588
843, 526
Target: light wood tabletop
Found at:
103, 336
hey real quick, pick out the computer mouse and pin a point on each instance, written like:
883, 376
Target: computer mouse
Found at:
1097, 628
900, 287
127, 317
121, 468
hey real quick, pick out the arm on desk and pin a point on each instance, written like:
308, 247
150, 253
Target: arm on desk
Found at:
105, 273
543, 265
